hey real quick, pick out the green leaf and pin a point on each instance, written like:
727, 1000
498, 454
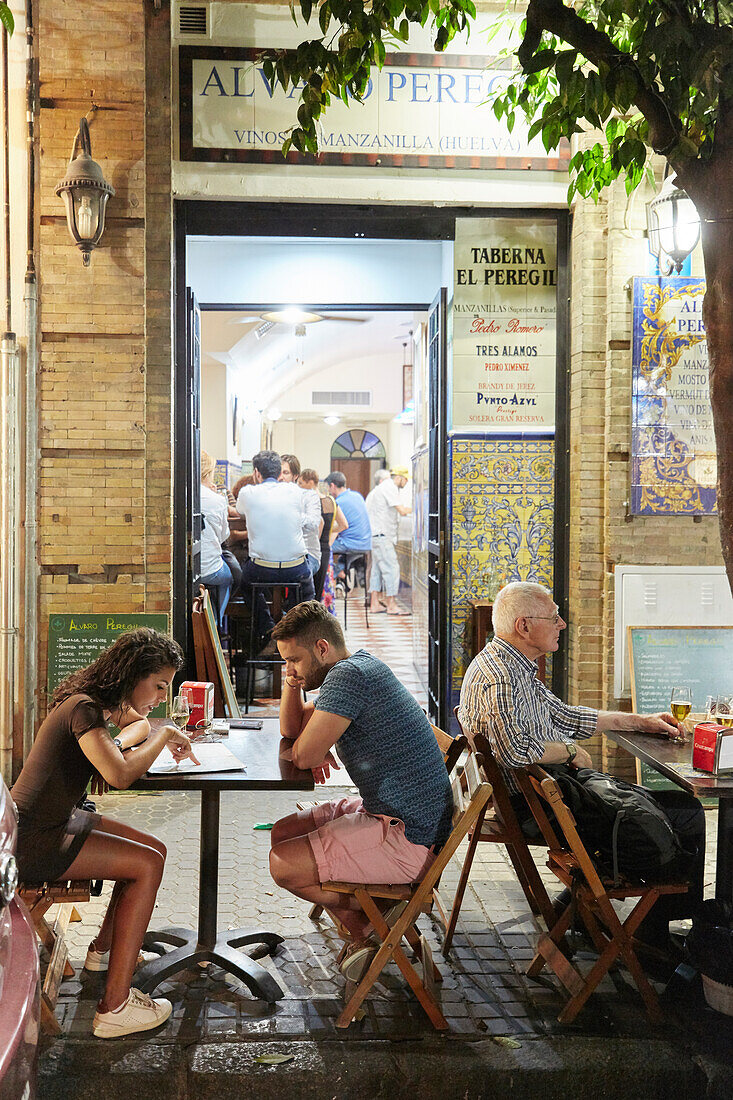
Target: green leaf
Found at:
505, 1041
306, 6
6, 18
274, 1059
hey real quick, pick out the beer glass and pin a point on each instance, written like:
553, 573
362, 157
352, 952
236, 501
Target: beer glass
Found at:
681, 705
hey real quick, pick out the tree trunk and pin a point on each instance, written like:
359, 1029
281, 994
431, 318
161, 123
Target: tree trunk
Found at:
717, 312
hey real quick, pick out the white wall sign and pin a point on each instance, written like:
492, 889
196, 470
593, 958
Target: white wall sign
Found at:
504, 310
419, 111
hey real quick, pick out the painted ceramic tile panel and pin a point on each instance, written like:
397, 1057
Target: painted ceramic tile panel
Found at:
674, 464
502, 497
420, 472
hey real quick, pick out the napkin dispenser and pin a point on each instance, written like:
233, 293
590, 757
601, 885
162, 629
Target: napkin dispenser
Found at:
712, 748
201, 701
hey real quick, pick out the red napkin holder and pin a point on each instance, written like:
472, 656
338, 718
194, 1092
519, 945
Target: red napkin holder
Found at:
201, 701
712, 748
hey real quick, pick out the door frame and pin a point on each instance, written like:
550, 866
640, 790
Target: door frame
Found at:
223, 218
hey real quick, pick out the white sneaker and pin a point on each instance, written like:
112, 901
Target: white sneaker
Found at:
98, 961
138, 1013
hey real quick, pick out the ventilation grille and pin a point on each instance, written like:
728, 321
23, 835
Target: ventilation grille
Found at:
341, 397
193, 19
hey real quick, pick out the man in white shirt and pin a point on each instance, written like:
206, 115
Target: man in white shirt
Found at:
275, 513
384, 508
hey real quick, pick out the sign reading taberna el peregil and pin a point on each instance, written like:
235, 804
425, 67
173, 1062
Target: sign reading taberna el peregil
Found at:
419, 111
504, 325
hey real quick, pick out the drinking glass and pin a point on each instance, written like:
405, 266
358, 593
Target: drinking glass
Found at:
723, 710
180, 711
681, 705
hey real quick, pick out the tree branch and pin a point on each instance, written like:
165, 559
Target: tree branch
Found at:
597, 47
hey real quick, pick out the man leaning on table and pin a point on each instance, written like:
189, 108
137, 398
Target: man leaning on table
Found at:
503, 699
402, 817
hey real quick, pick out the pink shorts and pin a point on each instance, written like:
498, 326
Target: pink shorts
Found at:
351, 845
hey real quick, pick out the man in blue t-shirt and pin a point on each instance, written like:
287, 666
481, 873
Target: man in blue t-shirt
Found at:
358, 535
402, 817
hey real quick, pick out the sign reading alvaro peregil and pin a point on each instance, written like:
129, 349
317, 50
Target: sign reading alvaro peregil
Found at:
419, 111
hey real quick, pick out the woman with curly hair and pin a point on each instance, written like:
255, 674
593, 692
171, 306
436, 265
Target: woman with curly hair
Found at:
57, 840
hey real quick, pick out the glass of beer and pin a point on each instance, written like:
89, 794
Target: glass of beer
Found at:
723, 710
681, 705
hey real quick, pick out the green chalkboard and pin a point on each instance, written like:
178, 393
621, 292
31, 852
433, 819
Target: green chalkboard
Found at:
74, 641
663, 657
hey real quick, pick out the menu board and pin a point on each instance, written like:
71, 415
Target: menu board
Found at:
74, 641
674, 462
663, 657
504, 325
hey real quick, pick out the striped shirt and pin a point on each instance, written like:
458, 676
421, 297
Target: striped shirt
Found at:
502, 699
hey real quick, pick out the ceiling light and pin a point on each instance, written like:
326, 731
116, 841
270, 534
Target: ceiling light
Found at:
273, 414
292, 315
332, 420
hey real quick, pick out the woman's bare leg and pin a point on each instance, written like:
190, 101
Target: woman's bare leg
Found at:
139, 868
103, 939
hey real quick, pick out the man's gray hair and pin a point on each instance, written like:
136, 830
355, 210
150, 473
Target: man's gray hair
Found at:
380, 476
516, 599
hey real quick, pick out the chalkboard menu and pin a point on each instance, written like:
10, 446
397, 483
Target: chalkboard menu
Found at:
663, 657
74, 641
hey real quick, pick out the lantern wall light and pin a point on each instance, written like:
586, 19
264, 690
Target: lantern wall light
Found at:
85, 193
673, 227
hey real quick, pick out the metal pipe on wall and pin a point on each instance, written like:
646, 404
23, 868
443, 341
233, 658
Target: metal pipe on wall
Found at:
29, 598
8, 464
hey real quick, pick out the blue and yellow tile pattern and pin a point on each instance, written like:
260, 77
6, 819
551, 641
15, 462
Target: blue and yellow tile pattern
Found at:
502, 498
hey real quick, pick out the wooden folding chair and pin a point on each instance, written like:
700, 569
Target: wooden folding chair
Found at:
469, 809
452, 749
591, 896
500, 826
38, 900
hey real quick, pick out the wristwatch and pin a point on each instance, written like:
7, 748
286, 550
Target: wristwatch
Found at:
572, 749
118, 743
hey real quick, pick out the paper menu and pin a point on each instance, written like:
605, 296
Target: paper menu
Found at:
212, 757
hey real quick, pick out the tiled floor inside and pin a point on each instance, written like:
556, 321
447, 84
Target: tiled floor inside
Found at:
484, 991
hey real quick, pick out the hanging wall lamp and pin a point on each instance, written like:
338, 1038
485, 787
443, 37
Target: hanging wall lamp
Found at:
673, 227
85, 192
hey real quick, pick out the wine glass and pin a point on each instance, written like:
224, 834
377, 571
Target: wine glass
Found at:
681, 705
180, 711
723, 710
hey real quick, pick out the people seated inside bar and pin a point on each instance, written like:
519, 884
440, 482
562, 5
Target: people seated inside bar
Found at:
392, 831
290, 471
503, 699
358, 537
334, 522
216, 572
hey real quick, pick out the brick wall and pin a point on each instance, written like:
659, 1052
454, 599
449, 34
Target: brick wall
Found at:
608, 250
105, 382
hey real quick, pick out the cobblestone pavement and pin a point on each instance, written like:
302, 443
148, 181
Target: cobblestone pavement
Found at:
484, 992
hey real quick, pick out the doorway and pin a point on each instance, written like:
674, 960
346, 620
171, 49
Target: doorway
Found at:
388, 228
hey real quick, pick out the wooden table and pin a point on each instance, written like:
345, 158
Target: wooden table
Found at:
261, 751
661, 754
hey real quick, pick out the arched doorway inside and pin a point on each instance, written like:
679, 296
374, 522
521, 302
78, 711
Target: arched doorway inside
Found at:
358, 454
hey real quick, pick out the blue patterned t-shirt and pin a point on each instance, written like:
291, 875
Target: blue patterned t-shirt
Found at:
389, 749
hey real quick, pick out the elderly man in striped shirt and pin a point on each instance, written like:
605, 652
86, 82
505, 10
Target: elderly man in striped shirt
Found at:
503, 699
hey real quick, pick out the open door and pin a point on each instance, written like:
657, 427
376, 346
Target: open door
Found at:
438, 586
187, 493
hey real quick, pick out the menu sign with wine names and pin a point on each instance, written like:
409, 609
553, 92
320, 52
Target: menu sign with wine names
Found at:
663, 657
74, 641
504, 329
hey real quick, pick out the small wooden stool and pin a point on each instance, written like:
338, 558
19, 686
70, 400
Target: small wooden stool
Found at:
38, 899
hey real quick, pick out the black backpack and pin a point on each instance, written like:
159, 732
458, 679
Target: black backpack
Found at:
624, 829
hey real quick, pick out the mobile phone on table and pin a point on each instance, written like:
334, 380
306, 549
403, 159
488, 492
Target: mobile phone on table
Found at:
245, 723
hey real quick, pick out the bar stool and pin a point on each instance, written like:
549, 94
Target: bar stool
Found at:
353, 558
277, 594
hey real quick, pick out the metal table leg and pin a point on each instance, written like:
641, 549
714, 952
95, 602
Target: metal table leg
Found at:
208, 945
